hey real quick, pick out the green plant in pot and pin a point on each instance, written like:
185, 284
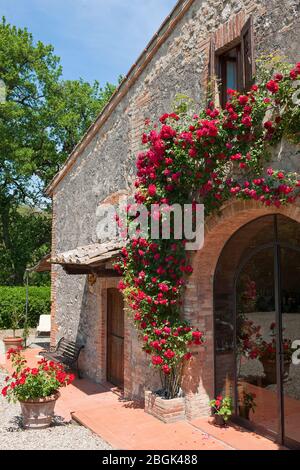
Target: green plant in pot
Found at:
221, 409
16, 320
247, 404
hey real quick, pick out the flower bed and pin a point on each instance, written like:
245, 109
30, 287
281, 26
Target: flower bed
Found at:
168, 411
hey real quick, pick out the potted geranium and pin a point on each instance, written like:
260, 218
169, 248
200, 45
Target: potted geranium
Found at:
265, 351
36, 389
221, 409
267, 356
247, 404
14, 341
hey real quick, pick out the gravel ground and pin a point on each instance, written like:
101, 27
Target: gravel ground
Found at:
60, 436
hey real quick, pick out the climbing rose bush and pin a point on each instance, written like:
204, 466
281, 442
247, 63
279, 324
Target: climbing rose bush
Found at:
28, 383
207, 158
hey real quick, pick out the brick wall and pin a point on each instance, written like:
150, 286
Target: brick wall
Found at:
199, 299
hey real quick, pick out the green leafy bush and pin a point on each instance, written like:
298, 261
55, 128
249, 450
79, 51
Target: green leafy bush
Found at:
12, 299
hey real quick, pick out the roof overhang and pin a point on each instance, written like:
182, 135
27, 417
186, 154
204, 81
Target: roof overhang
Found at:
90, 259
42, 266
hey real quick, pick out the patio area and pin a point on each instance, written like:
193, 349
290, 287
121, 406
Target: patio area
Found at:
125, 425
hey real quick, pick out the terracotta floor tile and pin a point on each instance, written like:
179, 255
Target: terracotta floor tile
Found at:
126, 426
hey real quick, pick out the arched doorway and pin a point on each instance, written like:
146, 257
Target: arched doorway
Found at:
257, 326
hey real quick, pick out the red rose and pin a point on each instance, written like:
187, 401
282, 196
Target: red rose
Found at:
293, 74
193, 152
163, 287
167, 132
144, 138
272, 86
243, 99
34, 371
151, 190
278, 77
156, 360
167, 330
166, 369
169, 354
4, 391
163, 118
187, 356
122, 285
188, 269
268, 125
247, 121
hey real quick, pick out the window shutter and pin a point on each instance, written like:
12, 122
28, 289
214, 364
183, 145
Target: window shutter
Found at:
247, 52
212, 68
212, 62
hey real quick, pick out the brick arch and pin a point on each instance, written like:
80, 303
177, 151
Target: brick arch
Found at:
198, 301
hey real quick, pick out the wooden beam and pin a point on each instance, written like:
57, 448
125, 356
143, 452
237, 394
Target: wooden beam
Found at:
79, 270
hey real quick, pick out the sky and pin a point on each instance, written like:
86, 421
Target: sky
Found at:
95, 39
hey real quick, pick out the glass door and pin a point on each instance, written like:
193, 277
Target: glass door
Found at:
290, 301
256, 349
257, 326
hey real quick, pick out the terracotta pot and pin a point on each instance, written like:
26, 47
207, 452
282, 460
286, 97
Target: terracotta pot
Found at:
38, 414
12, 342
244, 412
219, 420
269, 366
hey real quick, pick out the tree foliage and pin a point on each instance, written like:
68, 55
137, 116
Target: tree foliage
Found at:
41, 120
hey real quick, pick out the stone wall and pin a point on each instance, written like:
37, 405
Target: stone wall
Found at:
107, 165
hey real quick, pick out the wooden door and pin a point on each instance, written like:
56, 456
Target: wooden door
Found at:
115, 337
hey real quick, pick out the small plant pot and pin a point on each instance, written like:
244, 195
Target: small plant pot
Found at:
219, 421
12, 342
269, 366
38, 414
244, 412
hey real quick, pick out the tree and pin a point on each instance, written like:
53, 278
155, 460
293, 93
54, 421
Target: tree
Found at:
41, 120
29, 230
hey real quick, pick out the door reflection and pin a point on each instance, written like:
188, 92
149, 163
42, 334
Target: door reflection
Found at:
256, 342
290, 287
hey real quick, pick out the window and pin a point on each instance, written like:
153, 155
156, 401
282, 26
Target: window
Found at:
230, 72
232, 64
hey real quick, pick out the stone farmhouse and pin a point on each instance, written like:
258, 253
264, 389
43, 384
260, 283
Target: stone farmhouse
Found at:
199, 41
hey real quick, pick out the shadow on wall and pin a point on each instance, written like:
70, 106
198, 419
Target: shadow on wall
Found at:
86, 330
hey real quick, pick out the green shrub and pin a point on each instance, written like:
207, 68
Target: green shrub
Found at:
13, 299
